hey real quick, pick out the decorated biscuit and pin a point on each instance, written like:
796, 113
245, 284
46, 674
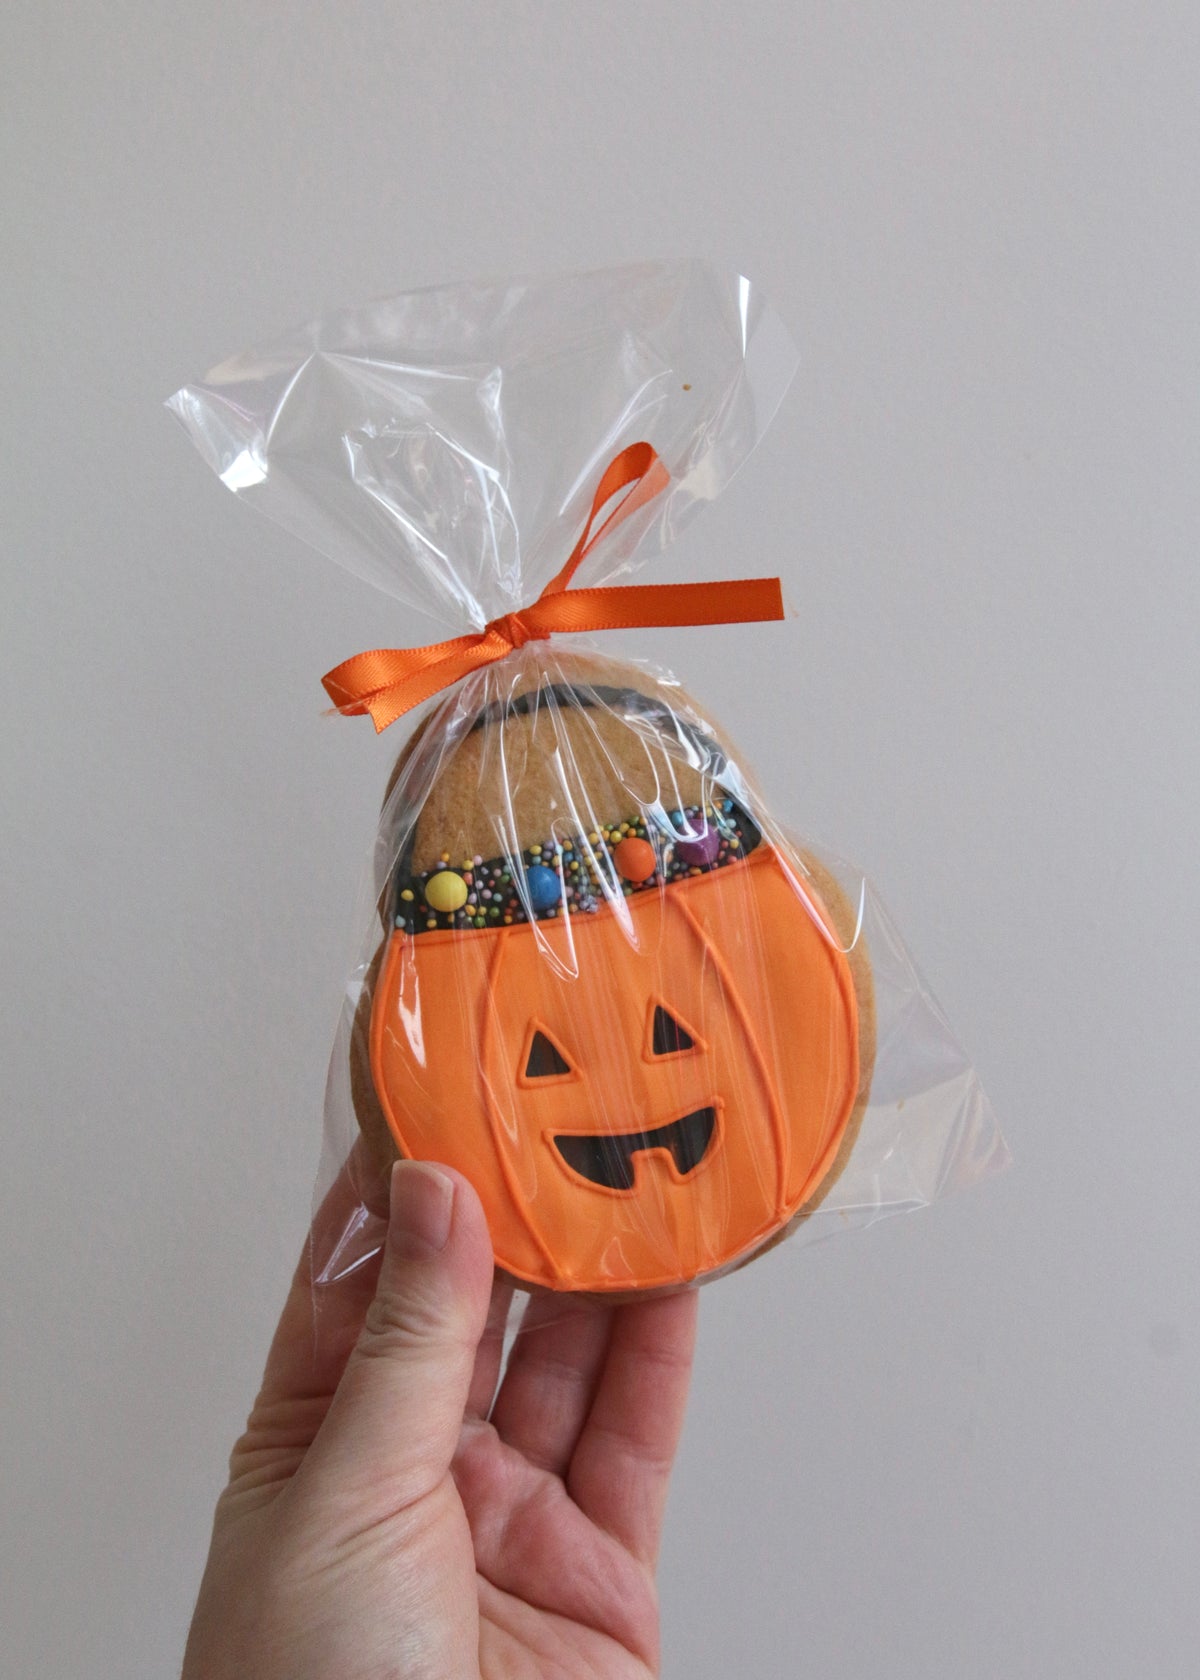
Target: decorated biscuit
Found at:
608, 999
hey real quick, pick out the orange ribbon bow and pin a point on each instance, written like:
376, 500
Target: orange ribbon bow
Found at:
390, 681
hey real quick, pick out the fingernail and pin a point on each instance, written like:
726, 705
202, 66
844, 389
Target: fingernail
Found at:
422, 1205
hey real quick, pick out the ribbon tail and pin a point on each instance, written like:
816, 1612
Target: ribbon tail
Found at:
388, 682
657, 605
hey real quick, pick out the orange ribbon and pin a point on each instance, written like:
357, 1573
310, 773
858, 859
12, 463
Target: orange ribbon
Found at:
390, 681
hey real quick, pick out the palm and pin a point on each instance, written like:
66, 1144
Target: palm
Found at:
532, 1618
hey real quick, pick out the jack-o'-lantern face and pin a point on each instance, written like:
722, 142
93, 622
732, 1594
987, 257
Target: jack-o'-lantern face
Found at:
641, 1094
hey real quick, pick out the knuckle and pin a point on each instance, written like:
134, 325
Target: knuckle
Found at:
398, 1325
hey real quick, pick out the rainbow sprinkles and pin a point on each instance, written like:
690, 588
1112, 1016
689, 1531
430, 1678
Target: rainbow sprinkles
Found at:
578, 876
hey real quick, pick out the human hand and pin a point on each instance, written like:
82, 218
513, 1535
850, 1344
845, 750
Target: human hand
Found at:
391, 1516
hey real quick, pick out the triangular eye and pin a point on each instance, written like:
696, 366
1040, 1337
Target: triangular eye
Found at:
667, 1037
546, 1060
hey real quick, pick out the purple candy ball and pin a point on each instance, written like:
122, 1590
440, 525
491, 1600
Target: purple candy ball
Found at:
700, 849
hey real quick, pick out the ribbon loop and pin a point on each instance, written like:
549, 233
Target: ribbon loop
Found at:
391, 681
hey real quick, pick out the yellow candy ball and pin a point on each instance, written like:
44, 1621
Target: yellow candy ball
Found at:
445, 891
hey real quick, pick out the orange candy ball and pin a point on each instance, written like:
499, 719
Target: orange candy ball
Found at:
635, 859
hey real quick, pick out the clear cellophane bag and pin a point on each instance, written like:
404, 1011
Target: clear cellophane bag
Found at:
657, 1028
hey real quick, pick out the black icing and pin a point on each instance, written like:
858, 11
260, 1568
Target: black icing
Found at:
607, 1158
504, 891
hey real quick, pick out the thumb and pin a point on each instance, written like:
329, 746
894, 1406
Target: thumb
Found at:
394, 1422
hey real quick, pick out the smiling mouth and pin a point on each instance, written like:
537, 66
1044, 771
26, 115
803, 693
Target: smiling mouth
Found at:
607, 1159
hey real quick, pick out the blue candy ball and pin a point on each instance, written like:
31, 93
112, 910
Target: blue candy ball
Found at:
545, 890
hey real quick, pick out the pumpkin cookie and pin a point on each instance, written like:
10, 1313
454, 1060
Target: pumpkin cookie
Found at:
607, 997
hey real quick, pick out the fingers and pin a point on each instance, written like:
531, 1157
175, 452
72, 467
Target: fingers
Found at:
551, 1378
394, 1422
622, 1464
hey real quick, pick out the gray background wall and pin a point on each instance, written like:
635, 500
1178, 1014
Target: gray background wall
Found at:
963, 1443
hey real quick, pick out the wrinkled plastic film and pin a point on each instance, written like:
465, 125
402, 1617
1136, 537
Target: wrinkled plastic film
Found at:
658, 1030
445, 445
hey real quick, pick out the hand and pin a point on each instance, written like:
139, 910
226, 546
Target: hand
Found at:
391, 1516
